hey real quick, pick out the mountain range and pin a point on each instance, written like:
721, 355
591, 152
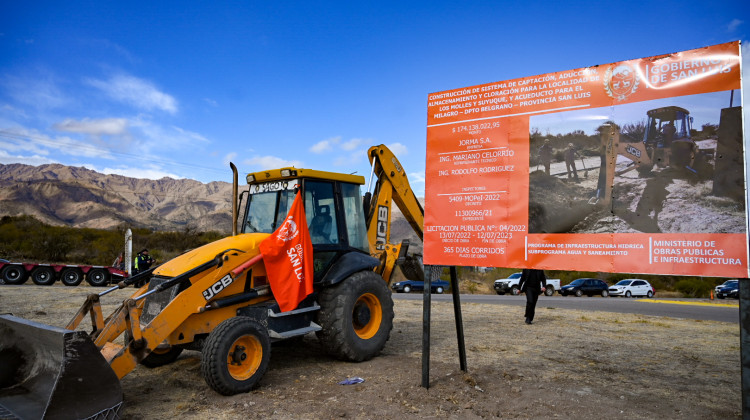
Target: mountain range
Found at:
78, 197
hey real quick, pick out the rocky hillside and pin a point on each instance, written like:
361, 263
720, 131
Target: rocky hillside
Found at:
79, 197
64, 195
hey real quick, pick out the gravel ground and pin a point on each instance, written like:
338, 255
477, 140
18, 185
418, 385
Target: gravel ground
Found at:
569, 364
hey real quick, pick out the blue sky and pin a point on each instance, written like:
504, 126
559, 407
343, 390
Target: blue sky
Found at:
168, 88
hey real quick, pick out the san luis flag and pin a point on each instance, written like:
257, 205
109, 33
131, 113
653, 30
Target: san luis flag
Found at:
289, 259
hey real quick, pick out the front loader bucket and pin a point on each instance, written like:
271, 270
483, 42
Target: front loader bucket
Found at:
53, 373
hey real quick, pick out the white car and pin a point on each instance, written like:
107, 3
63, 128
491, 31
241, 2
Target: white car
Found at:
632, 287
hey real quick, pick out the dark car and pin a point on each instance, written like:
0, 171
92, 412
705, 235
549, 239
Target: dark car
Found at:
730, 291
725, 284
406, 286
588, 287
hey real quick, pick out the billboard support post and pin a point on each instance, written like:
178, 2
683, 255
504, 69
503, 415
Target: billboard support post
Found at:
745, 345
426, 306
433, 272
459, 319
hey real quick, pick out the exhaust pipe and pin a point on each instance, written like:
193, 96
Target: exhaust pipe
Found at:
53, 373
235, 187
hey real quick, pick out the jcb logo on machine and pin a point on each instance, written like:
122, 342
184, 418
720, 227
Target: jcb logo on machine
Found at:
633, 151
217, 287
382, 227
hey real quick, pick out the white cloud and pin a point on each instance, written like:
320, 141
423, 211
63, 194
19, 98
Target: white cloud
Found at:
398, 149
733, 25
97, 127
325, 145
259, 163
149, 135
416, 178
147, 173
354, 144
34, 160
40, 92
190, 134
229, 157
211, 102
137, 92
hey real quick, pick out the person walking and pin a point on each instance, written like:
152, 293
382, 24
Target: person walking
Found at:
533, 282
545, 155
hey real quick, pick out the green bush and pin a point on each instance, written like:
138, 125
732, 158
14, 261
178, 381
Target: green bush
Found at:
694, 287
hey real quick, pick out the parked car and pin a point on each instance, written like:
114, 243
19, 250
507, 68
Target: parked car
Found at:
588, 287
733, 282
732, 290
632, 287
406, 286
510, 285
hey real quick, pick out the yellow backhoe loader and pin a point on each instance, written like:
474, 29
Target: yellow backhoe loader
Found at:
217, 299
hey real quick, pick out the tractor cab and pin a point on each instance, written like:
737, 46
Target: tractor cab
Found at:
666, 125
333, 209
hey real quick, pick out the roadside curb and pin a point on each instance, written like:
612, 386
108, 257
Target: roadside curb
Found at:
682, 302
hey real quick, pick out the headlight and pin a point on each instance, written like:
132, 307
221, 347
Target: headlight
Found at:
250, 178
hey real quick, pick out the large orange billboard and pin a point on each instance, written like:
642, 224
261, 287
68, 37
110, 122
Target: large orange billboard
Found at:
635, 166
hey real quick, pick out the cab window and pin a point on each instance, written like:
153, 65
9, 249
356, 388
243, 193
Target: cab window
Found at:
355, 219
320, 211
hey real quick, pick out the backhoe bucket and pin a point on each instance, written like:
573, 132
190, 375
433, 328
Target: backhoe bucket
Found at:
53, 373
412, 267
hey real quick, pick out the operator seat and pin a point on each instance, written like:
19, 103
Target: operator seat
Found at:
320, 228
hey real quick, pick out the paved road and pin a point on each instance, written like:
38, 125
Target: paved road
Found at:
675, 308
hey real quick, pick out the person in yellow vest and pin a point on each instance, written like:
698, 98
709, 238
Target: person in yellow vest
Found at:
142, 262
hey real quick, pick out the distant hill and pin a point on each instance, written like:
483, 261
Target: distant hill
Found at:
78, 197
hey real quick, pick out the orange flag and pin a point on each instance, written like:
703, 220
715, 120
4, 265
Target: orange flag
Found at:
289, 259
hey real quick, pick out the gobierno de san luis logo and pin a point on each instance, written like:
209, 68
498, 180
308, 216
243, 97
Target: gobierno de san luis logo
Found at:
620, 81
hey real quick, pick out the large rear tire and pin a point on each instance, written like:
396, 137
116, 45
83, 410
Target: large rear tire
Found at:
43, 276
236, 355
14, 274
161, 356
356, 317
549, 291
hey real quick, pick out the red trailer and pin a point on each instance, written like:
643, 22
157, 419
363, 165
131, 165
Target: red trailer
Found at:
48, 274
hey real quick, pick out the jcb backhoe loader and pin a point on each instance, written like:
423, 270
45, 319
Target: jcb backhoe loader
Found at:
668, 143
217, 299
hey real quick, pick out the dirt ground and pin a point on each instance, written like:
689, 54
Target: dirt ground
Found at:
569, 364
663, 202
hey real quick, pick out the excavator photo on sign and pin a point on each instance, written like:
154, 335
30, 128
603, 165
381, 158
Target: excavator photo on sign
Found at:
217, 299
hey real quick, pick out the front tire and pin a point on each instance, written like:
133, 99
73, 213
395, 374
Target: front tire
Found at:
579, 293
439, 290
407, 289
43, 276
236, 355
356, 317
628, 294
160, 357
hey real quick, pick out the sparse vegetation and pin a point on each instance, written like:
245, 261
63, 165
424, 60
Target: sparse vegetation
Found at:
24, 238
